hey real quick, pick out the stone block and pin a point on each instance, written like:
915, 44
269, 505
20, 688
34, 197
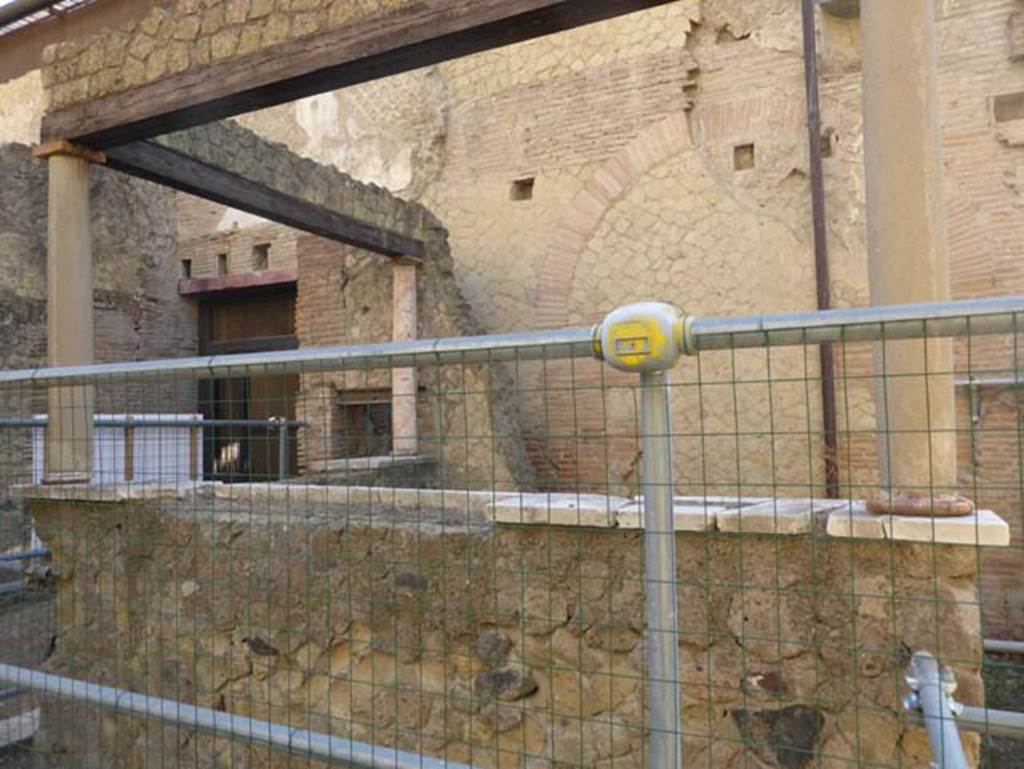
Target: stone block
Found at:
852, 520
691, 514
775, 516
981, 528
595, 510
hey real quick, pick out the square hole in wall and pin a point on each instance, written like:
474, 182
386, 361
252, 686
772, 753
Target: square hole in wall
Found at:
522, 189
1008, 106
222, 264
828, 139
362, 425
743, 157
261, 256
186, 268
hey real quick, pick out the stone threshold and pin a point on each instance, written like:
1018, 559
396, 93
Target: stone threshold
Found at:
836, 518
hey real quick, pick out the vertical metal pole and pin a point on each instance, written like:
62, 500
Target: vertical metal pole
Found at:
129, 451
282, 449
823, 282
193, 452
666, 750
936, 706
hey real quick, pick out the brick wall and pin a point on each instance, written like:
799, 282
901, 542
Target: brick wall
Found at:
138, 314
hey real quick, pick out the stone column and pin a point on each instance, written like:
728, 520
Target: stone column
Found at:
403, 381
68, 446
907, 246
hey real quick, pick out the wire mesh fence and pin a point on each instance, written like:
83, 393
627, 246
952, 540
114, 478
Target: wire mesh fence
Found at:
287, 559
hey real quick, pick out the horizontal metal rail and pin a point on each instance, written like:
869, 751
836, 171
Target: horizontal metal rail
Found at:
861, 324
1003, 647
976, 316
296, 742
102, 421
563, 343
997, 381
26, 555
995, 723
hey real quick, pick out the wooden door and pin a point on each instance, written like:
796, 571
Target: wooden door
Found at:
240, 324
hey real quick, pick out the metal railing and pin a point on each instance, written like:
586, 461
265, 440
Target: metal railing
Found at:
648, 341
279, 425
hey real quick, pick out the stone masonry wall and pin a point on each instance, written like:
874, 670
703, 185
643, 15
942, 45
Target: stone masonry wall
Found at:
667, 151
344, 297
138, 313
634, 133
188, 35
433, 630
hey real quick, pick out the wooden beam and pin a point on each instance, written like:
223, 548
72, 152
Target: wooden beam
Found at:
152, 161
417, 35
242, 281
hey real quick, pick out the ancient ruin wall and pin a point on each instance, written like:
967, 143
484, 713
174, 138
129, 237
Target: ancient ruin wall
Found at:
468, 420
433, 630
189, 35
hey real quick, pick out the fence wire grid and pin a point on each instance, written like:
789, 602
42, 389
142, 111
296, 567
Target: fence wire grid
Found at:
434, 556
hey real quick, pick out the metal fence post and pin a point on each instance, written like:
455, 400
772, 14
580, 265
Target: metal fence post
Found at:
647, 338
931, 693
660, 571
282, 447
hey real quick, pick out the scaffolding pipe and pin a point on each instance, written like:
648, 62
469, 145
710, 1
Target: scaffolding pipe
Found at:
26, 555
102, 421
1003, 647
295, 742
973, 317
908, 321
931, 696
666, 748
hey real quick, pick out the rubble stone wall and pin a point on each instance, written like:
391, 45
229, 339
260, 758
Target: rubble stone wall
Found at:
430, 629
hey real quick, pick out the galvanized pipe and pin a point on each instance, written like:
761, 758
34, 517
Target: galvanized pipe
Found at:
995, 381
936, 707
296, 742
910, 321
1001, 315
556, 344
666, 749
101, 421
26, 555
996, 723
1003, 647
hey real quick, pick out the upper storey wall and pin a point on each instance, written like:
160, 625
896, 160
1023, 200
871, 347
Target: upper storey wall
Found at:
189, 35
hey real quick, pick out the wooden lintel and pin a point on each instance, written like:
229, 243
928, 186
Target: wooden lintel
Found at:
64, 147
152, 161
417, 35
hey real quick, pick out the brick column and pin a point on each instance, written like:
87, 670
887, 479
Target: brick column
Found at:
403, 381
907, 247
68, 450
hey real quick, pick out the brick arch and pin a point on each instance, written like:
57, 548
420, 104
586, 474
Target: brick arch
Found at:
613, 179
570, 451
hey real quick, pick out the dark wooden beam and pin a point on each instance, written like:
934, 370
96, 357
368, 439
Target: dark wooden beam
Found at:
243, 281
152, 161
420, 34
